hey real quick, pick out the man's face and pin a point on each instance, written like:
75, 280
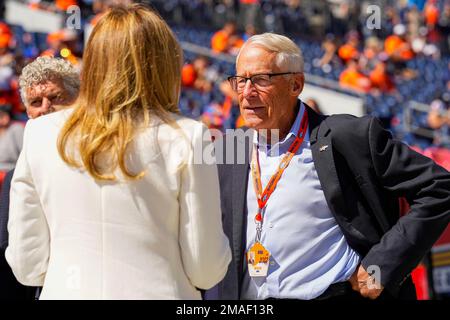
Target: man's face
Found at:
271, 106
44, 98
4, 119
230, 28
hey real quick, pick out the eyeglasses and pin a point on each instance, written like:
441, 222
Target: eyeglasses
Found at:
258, 80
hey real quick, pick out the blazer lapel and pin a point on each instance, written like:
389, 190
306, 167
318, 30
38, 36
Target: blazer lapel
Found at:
322, 152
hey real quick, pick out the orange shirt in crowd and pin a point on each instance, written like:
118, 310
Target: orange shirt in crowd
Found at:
393, 46
237, 42
53, 40
4, 29
354, 79
65, 4
249, 1
5, 35
188, 75
5, 39
219, 41
222, 42
49, 53
380, 79
348, 52
431, 13
240, 122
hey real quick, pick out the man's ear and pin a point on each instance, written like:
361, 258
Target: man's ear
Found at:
297, 83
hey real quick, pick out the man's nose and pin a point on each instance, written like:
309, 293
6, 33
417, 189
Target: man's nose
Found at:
249, 89
46, 106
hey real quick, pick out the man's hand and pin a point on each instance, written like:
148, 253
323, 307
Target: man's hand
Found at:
366, 285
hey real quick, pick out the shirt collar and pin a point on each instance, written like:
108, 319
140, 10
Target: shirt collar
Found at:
292, 132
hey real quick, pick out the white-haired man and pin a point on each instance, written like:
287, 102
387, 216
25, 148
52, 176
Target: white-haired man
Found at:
311, 214
46, 85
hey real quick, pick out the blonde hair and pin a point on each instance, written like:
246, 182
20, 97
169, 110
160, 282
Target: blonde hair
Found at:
132, 69
289, 55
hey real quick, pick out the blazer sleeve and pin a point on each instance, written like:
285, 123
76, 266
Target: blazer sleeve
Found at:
204, 247
426, 185
28, 248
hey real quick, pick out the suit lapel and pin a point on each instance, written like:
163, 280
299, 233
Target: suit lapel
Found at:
322, 152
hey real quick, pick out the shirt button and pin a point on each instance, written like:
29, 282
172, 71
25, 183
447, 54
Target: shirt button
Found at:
270, 225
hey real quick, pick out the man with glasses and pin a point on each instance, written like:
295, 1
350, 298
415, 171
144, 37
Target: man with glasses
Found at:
313, 211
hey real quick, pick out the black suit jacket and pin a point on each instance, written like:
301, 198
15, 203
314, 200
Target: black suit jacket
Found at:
10, 288
363, 172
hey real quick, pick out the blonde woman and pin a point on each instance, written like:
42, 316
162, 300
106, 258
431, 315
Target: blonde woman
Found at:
106, 201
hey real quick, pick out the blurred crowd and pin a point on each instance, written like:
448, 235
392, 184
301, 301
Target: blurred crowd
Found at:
389, 65
406, 58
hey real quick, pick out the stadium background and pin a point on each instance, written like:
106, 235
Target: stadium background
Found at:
397, 71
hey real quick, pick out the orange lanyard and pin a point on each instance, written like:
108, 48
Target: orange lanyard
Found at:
263, 196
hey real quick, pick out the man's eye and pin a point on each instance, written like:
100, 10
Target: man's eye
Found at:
241, 80
261, 80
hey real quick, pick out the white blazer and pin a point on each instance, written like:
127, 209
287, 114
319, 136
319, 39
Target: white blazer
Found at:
159, 237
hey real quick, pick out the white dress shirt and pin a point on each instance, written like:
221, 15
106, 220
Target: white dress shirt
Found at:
308, 249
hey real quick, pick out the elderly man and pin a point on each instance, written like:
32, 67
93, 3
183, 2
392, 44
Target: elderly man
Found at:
11, 135
310, 214
46, 85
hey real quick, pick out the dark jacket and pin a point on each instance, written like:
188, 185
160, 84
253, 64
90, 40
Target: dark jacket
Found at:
363, 173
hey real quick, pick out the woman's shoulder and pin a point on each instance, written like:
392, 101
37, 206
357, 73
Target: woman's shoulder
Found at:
187, 123
51, 120
190, 127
